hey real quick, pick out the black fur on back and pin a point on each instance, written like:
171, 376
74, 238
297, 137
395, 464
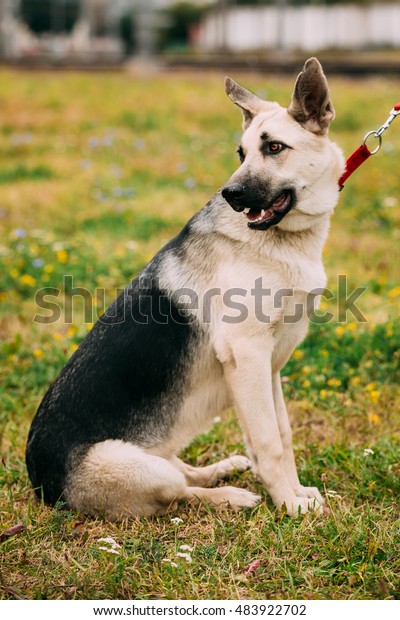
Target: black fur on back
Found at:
125, 381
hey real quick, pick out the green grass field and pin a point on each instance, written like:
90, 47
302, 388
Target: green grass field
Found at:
97, 172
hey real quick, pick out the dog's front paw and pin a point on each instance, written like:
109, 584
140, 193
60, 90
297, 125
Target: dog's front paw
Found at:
301, 505
311, 492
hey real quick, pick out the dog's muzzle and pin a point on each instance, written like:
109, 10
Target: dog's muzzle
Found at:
261, 213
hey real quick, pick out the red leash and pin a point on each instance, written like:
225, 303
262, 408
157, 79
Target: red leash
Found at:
363, 153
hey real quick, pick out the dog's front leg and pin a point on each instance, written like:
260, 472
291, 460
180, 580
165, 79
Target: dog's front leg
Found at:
248, 373
288, 460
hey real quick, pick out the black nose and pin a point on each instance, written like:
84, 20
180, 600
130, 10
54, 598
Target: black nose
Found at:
233, 193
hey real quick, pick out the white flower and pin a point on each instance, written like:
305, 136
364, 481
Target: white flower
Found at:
186, 548
332, 493
169, 561
368, 451
390, 201
112, 545
176, 520
110, 550
186, 556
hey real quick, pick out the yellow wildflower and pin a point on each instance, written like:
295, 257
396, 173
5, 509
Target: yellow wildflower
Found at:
298, 355
306, 383
339, 330
38, 353
62, 256
27, 279
374, 419
48, 268
334, 382
394, 292
374, 395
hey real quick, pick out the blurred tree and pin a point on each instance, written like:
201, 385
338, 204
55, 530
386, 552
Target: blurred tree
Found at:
127, 29
50, 15
179, 20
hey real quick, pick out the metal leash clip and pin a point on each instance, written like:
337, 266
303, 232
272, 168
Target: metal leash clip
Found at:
394, 112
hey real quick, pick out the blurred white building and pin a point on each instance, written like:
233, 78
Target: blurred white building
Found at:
306, 27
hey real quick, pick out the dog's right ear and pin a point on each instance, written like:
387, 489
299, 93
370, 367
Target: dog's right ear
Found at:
247, 101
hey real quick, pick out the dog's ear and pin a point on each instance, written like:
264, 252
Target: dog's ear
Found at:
247, 101
311, 105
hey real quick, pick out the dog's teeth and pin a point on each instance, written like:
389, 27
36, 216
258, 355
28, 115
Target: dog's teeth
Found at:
262, 212
247, 210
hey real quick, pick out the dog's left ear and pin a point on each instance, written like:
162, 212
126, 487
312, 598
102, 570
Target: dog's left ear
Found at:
250, 104
311, 105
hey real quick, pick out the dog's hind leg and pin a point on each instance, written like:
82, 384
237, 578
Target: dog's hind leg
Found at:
117, 479
209, 475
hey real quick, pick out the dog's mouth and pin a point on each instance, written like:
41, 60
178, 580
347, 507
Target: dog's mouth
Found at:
261, 219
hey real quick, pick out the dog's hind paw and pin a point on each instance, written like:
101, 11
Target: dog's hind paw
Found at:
238, 499
237, 463
223, 497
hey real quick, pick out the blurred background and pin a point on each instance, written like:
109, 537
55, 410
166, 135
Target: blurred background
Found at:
264, 34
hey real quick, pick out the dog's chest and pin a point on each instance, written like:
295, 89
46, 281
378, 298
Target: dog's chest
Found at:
268, 294
272, 305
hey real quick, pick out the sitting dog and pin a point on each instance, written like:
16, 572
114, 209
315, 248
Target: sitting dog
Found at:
207, 324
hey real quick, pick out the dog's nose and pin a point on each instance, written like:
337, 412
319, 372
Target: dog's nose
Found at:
232, 194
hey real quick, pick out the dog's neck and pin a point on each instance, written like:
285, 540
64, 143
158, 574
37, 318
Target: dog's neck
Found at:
308, 242
276, 243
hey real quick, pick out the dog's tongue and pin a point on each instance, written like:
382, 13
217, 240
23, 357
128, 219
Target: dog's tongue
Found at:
262, 214
280, 201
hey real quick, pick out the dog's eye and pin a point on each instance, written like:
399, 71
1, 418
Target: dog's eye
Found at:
275, 147
241, 154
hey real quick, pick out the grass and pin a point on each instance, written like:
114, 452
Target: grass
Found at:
97, 173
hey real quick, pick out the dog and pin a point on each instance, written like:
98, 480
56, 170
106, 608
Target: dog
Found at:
208, 323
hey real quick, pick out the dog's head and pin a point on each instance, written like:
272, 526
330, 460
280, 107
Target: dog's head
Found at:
289, 168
